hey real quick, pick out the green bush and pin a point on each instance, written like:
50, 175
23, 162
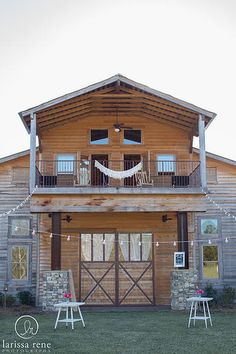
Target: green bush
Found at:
25, 298
227, 296
211, 292
10, 300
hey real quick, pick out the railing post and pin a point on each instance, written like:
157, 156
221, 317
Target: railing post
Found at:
201, 128
32, 151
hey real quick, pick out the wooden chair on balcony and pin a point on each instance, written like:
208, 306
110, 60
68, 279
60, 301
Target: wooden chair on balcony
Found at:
142, 179
83, 178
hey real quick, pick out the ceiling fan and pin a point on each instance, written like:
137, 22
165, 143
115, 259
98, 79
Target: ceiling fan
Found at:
118, 126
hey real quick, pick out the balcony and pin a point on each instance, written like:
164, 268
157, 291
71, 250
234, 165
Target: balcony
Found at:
81, 175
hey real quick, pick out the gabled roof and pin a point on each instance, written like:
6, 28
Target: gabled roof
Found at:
217, 157
15, 156
126, 93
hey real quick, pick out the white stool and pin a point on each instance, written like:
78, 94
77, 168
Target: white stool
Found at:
69, 307
195, 303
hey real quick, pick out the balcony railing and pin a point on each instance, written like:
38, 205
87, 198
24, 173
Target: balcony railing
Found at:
174, 174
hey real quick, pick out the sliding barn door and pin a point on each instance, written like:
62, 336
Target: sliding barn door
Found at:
98, 269
116, 269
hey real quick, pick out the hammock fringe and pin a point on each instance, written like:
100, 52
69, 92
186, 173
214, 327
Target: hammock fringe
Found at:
118, 174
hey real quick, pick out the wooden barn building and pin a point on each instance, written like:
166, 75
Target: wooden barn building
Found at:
120, 197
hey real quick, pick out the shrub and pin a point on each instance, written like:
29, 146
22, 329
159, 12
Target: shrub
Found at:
211, 292
25, 297
10, 300
227, 296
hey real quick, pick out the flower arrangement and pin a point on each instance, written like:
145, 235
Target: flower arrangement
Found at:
68, 296
199, 292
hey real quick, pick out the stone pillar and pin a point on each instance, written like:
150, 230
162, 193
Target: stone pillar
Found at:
55, 285
183, 285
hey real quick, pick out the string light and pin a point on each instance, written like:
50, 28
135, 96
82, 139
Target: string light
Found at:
209, 242
140, 243
192, 243
19, 205
121, 242
174, 243
68, 238
104, 242
226, 240
51, 235
33, 232
157, 244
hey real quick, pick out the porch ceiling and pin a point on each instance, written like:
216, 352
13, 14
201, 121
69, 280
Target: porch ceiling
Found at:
117, 96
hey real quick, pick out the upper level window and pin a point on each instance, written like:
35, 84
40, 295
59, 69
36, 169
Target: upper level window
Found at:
132, 136
65, 163
19, 226
166, 164
99, 136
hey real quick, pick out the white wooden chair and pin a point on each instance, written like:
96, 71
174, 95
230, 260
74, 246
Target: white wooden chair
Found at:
142, 179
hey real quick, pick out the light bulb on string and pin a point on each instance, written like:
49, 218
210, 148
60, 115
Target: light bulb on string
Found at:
192, 243
174, 243
51, 235
16, 228
209, 242
157, 244
121, 242
140, 243
104, 242
226, 240
68, 238
33, 232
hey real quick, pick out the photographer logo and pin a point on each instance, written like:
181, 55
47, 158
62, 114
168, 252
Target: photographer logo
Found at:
26, 327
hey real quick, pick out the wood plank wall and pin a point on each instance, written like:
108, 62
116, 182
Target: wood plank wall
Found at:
118, 222
14, 188
75, 138
223, 192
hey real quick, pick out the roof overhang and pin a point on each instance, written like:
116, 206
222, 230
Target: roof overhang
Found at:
117, 94
217, 157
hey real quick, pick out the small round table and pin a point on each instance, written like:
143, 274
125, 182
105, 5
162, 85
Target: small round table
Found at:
195, 303
69, 307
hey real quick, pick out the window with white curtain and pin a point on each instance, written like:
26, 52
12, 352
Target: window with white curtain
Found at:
135, 247
166, 164
97, 247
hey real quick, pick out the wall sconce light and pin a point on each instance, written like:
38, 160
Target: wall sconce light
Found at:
165, 218
68, 218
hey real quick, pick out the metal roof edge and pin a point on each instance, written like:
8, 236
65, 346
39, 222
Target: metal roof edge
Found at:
15, 156
217, 157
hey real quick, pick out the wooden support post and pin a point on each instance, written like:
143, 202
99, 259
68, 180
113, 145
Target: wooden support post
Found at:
56, 242
32, 150
182, 230
202, 147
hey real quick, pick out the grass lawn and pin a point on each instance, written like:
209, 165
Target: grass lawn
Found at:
135, 332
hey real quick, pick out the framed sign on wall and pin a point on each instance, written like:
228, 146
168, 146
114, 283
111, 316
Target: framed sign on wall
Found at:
179, 259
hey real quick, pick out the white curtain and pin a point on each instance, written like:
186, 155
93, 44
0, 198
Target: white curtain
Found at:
109, 243
97, 247
124, 246
86, 247
118, 174
146, 246
134, 247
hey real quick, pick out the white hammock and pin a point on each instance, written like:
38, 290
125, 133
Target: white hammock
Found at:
118, 174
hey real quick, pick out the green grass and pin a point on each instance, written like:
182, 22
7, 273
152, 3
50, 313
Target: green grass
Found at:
163, 332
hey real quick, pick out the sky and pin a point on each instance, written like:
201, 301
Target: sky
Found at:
185, 48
